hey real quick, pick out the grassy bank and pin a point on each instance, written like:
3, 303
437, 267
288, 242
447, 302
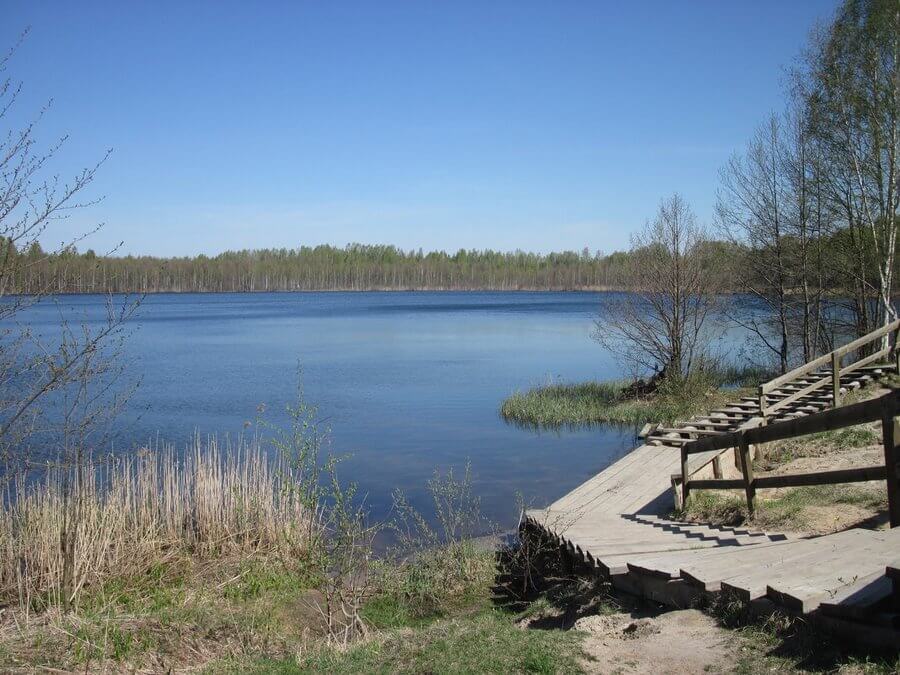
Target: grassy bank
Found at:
449, 608
593, 402
228, 560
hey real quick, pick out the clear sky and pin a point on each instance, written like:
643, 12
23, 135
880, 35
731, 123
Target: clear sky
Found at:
533, 125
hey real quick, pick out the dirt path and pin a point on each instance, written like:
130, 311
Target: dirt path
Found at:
681, 641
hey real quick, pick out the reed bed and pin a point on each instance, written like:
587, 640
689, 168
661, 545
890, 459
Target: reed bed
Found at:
122, 516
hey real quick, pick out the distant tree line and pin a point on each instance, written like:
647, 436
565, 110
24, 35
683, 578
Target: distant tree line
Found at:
731, 266
354, 267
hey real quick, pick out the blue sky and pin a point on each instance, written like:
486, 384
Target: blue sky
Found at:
533, 125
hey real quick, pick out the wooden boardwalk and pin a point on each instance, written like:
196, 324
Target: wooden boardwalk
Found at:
617, 524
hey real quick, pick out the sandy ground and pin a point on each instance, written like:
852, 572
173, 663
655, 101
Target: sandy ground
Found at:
838, 517
683, 641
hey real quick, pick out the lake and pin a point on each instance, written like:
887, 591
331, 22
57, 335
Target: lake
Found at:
408, 382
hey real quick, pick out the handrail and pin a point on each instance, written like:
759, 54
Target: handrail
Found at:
886, 408
826, 359
827, 420
834, 359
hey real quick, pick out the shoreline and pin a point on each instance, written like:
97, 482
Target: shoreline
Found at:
586, 289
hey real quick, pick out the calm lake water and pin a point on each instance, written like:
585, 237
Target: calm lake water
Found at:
408, 382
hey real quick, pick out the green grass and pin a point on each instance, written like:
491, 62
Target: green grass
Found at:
556, 405
790, 511
135, 620
780, 643
487, 642
439, 612
817, 445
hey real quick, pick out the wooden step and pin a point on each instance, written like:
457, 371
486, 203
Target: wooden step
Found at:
794, 581
749, 574
893, 573
860, 599
669, 565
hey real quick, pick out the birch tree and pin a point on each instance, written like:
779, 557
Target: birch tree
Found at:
751, 210
854, 94
661, 327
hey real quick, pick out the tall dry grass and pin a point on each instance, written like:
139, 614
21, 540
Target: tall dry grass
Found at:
130, 513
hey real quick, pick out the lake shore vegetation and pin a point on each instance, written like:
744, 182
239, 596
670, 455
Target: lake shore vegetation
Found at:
626, 402
235, 560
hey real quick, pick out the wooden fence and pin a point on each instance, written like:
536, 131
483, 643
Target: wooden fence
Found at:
811, 376
884, 408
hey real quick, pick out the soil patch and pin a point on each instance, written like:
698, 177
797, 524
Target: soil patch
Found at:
681, 641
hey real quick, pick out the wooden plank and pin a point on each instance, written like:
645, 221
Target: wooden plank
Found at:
608, 485
717, 484
697, 462
826, 359
668, 440
795, 373
866, 360
848, 415
833, 559
641, 455
857, 600
688, 430
822, 477
796, 396
757, 566
835, 378
709, 573
668, 565
804, 591
890, 430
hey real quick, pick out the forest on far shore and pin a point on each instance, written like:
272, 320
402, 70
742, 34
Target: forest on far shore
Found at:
359, 267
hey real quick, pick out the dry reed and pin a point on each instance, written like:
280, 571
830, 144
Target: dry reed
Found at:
132, 512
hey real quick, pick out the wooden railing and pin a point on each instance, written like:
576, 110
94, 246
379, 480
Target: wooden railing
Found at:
800, 377
884, 408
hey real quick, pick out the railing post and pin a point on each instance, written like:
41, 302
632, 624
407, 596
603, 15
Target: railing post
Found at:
835, 378
890, 430
684, 477
717, 467
762, 401
897, 350
747, 471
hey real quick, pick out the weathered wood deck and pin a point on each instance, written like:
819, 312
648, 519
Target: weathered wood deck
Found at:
617, 524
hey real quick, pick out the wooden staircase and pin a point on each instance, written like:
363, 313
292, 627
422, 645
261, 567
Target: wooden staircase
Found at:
617, 523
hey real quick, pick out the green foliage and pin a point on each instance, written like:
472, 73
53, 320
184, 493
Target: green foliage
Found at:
437, 567
555, 405
849, 437
788, 511
255, 579
485, 643
433, 584
714, 508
